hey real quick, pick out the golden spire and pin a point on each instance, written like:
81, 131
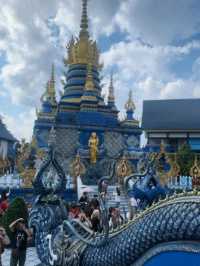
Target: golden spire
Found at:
89, 84
82, 50
51, 92
111, 95
53, 73
130, 105
84, 20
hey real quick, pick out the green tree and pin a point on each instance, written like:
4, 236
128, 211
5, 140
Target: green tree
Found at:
185, 159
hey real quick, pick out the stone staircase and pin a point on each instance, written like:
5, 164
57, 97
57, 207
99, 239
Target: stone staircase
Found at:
123, 199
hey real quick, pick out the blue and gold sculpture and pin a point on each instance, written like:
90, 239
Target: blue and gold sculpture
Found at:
165, 233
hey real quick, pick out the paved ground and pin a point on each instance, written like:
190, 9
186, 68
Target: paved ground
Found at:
32, 259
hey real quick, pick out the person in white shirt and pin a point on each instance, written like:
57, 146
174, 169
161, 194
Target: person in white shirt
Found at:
133, 207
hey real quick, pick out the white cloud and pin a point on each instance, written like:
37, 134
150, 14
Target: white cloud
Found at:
146, 70
159, 22
138, 57
21, 126
35, 33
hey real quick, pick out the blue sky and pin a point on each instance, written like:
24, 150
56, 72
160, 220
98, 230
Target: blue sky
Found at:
153, 47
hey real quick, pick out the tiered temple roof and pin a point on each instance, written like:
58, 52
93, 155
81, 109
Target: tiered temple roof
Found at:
82, 110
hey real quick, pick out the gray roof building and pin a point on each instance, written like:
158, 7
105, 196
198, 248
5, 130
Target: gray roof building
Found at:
5, 133
171, 115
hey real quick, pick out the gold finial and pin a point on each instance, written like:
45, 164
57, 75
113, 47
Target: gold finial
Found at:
53, 73
111, 95
82, 50
84, 20
130, 106
52, 80
195, 170
50, 93
89, 84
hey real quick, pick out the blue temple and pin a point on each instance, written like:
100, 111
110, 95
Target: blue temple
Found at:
82, 111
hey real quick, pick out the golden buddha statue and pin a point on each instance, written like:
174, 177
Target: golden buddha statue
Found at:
93, 146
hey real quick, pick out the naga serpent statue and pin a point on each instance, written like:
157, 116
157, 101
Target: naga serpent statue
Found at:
171, 224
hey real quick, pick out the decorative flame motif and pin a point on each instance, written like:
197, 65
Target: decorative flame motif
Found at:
195, 170
175, 168
195, 173
51, 177
123, 169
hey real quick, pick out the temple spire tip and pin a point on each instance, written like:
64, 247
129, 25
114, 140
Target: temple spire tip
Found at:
53, 72
84, 20
130, 105
111, 96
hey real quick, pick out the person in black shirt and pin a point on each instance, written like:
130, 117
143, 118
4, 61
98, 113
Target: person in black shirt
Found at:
95, 216
19, 241
84, 200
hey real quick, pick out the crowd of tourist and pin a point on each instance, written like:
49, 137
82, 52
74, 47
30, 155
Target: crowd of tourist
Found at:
86, 211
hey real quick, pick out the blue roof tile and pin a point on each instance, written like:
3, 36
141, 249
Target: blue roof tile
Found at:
180, 114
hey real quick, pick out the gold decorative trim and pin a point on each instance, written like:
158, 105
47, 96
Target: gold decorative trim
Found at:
71, 100
195, 170
77, 169
123, 169
174, 166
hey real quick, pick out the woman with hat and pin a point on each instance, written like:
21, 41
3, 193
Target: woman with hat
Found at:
21, 236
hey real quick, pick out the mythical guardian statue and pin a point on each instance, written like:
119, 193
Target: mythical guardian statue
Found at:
165, 231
